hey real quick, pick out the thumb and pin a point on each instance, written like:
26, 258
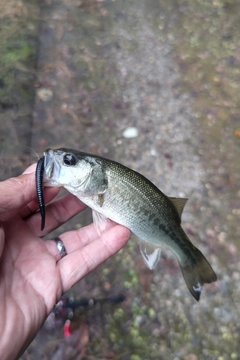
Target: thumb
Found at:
17, 192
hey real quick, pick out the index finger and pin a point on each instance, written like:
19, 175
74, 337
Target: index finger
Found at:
15, 193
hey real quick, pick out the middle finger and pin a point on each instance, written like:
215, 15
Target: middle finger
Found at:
57, 212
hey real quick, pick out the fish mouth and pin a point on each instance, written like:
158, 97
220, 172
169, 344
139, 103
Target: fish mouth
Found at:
51, 168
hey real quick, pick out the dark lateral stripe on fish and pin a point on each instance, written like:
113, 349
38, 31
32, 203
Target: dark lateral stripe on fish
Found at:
39, 189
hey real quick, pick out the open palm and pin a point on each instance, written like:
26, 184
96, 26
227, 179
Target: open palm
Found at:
32, 275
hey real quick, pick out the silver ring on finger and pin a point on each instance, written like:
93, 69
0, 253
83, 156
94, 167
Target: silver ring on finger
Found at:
60, 246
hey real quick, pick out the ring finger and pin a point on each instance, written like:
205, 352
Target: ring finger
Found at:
86, 250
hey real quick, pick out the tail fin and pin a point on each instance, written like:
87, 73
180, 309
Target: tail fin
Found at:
197, 274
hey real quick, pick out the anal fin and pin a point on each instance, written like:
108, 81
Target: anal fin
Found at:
150, 253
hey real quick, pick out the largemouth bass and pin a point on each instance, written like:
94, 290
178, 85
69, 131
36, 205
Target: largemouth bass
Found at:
116, 192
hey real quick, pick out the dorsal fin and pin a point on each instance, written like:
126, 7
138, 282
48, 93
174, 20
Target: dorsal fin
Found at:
179, 204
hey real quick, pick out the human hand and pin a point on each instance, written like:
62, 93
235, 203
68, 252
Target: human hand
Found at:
32, 275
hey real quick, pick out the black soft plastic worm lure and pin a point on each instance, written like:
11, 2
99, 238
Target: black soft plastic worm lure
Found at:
39, 188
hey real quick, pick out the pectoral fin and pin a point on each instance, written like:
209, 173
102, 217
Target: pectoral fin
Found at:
150, 253
100, 221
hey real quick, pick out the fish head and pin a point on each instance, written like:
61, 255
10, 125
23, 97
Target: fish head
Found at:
64, 168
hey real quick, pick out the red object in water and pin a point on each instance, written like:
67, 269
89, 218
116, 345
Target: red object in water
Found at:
67, 329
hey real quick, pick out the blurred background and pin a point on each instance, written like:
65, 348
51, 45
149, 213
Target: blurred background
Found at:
155, 85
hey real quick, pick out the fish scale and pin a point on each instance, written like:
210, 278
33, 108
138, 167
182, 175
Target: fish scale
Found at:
149, 209
115, 192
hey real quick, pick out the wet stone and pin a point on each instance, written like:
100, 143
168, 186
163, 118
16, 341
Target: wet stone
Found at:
130, 132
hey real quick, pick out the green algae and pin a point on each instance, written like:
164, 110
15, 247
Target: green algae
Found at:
18, 55
18, 34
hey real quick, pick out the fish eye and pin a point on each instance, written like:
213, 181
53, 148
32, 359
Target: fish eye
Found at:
70, 159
